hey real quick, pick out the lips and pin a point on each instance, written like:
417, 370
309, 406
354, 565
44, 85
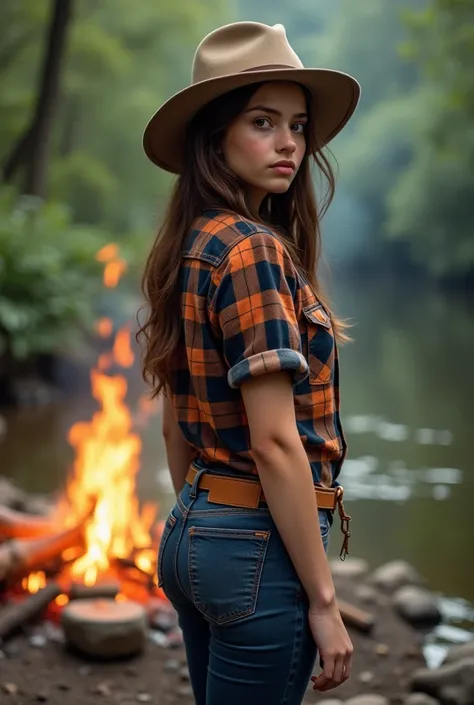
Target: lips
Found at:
284, 164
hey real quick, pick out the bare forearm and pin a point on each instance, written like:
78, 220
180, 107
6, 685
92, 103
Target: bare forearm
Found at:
287, 482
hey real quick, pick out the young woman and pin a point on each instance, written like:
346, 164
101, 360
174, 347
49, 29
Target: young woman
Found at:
242, 343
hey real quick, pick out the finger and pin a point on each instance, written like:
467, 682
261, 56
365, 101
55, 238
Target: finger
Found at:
322, 684
325, 679
347, 666
338, 674
328, 670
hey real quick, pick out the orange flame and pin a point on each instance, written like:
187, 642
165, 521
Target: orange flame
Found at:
104, 327
123, 354
107, 253
107, 455
113, 271
34, 582
106, 463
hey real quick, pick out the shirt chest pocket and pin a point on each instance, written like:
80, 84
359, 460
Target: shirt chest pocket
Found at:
318, 343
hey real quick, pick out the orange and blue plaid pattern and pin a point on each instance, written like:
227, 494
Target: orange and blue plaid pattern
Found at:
247, 311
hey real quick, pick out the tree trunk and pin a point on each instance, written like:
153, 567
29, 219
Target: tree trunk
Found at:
33, 147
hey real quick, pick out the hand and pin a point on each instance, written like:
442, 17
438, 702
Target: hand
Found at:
334, 646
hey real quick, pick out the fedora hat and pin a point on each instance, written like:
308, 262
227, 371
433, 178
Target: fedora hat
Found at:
237, 55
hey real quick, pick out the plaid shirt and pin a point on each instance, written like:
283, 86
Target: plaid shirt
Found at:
246, 312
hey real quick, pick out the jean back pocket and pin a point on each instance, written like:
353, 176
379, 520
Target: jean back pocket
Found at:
225, 568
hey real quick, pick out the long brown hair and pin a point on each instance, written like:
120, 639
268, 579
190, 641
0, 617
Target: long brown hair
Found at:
207, 182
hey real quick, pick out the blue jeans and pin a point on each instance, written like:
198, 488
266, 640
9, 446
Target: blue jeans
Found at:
241, 606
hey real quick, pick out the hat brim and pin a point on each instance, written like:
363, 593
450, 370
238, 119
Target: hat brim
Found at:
335, 97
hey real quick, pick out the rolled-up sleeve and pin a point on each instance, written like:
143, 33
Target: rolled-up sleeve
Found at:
252, 305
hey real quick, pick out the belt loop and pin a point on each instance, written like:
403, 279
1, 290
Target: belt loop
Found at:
195, 484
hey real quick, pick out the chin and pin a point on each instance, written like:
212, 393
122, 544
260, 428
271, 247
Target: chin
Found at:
281, 186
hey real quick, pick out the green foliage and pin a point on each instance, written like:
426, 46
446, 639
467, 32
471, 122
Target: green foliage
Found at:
431, 206
49, 279
122, 62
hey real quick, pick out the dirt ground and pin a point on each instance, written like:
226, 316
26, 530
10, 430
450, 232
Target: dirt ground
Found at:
51, 674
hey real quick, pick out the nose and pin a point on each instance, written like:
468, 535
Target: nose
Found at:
287, 142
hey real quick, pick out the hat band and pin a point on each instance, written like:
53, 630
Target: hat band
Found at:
268, 67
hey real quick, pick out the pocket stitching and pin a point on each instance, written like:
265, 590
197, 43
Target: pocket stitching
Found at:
229, 616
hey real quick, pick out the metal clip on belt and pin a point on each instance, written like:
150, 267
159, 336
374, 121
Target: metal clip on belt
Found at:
240, 492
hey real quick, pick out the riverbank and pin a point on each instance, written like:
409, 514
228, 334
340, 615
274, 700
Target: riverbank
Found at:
37, 666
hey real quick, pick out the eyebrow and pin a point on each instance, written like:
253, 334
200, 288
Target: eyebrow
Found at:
264, 109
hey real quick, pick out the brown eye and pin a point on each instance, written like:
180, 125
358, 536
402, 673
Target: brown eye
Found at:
300, 127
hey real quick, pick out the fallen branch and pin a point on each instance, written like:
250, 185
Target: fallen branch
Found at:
20, 556
355, 617
14, 615
15, 524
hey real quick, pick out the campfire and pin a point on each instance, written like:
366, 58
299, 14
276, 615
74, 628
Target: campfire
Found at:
98, 542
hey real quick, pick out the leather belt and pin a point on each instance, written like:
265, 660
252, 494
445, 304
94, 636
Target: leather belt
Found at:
240, 492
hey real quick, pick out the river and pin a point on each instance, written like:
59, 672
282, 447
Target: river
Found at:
407, 398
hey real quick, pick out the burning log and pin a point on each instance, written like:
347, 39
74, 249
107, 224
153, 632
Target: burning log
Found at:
355, 617
16, 614
20, 556
15, 524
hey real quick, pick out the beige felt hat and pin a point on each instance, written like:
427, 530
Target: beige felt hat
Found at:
237, 55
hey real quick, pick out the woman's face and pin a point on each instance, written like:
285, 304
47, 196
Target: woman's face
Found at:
266, 143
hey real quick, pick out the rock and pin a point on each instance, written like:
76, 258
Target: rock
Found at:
365, 677
103, 689
37, 641
10, 688
85, 670
184, 673
369, 699
159, 638
41, 697
163, 621
144, 698
452, 684
417, 605
131, 671
350, 568
381, 650
395, 574
185, 691
105, 628
456, 653
366, 593
175, 639
420, 699
172, 665
64, 686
